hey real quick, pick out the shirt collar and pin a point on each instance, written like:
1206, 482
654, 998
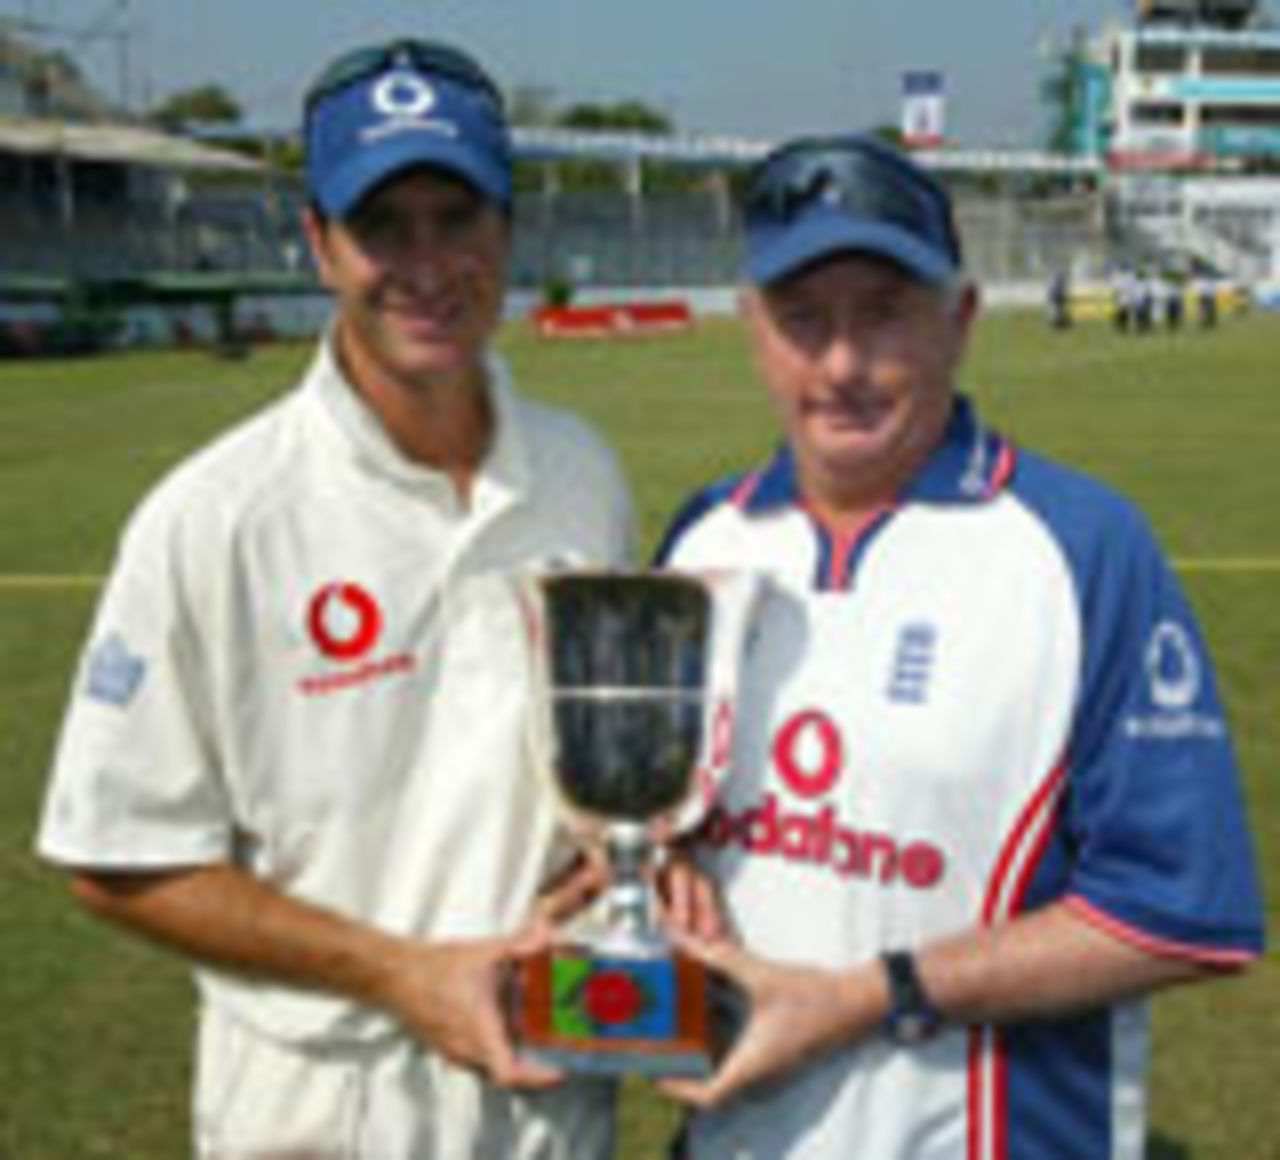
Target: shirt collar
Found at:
970, 465
505, 468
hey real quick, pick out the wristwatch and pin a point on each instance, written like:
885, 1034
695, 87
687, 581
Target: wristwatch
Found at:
912, 1016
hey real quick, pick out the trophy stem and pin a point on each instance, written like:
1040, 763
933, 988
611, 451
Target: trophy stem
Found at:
630, 929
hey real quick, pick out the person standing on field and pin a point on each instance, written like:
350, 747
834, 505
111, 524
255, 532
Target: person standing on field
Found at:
983, 800
296, 747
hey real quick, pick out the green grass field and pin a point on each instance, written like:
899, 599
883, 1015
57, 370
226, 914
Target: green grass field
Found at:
94, 1027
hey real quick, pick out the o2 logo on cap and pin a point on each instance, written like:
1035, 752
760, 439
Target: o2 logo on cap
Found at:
403, 95
344, 621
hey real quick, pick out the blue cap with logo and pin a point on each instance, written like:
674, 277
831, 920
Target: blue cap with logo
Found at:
377, 111
816, 197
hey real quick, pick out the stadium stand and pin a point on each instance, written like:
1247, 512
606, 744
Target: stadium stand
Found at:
1230, 225
101, 207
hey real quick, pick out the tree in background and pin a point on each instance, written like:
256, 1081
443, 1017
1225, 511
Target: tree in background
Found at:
620, 116
533, 106
203, 106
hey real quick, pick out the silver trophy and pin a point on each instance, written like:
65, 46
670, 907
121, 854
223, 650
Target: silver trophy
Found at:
637, 714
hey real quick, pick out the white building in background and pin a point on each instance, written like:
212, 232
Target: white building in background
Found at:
1187, 85
1200, 98
1182, 107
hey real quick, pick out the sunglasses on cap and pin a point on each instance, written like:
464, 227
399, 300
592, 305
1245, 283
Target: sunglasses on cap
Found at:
860, 178
419, 55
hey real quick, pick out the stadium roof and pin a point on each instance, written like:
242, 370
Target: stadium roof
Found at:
1205, 37
709, 150
549, 144
123, 144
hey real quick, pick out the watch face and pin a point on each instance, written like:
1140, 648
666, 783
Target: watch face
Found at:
913, 1018
913, 1027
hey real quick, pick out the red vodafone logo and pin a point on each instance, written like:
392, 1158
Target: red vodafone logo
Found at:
344, 621
809, 754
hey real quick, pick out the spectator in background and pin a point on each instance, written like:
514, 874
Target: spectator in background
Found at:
1206, 292
1146, 297
1060, 300
1122, 299
1174, 289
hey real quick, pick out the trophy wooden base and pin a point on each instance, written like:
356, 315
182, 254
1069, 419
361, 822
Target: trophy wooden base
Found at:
584, 1011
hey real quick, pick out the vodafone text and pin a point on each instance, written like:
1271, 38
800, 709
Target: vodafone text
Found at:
808, 759
320, 686
768, 830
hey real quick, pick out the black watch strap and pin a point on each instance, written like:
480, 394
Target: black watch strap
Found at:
912, 1016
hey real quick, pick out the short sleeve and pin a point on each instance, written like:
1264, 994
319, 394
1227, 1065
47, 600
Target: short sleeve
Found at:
1154, 806
135, 780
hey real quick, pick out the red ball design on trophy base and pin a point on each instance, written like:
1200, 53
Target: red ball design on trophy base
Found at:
612, 997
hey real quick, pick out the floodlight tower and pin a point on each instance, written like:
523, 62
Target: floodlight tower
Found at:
113, 23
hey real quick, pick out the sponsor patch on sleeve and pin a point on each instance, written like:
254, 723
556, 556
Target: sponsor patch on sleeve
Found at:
1176, 709
113, 672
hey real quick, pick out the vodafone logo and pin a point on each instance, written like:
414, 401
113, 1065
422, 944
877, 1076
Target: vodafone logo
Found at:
808, 754
796, 826
1172, 666
344, 621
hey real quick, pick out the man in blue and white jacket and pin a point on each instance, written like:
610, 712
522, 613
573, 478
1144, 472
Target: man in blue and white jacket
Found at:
983, 798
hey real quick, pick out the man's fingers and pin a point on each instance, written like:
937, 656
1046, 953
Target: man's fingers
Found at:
508, 1067
721, 954
502, 1061
677, 887
730, 1076
519, 1071
572, 891
694, 1093
531, 939
689, 898
706, 918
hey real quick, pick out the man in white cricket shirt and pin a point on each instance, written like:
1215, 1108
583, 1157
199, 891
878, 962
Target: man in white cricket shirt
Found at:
295, 750
983, 798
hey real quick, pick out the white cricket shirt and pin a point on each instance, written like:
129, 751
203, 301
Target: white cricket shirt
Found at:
993, 696
308, 659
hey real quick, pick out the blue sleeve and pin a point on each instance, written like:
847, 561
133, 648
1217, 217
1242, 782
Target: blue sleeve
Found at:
1154, 808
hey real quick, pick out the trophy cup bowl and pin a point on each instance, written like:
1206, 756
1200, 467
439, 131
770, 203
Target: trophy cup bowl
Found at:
625, 663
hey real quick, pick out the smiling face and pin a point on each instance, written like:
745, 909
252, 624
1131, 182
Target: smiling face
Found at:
859, 359
418, 271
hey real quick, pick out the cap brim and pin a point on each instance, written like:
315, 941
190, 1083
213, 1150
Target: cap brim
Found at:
821, 235
342, 190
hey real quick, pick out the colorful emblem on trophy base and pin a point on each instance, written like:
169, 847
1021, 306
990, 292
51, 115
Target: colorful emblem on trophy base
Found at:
587, 1012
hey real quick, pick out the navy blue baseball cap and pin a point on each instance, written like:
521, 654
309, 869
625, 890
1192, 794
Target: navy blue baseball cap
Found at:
380, 110
820, 196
